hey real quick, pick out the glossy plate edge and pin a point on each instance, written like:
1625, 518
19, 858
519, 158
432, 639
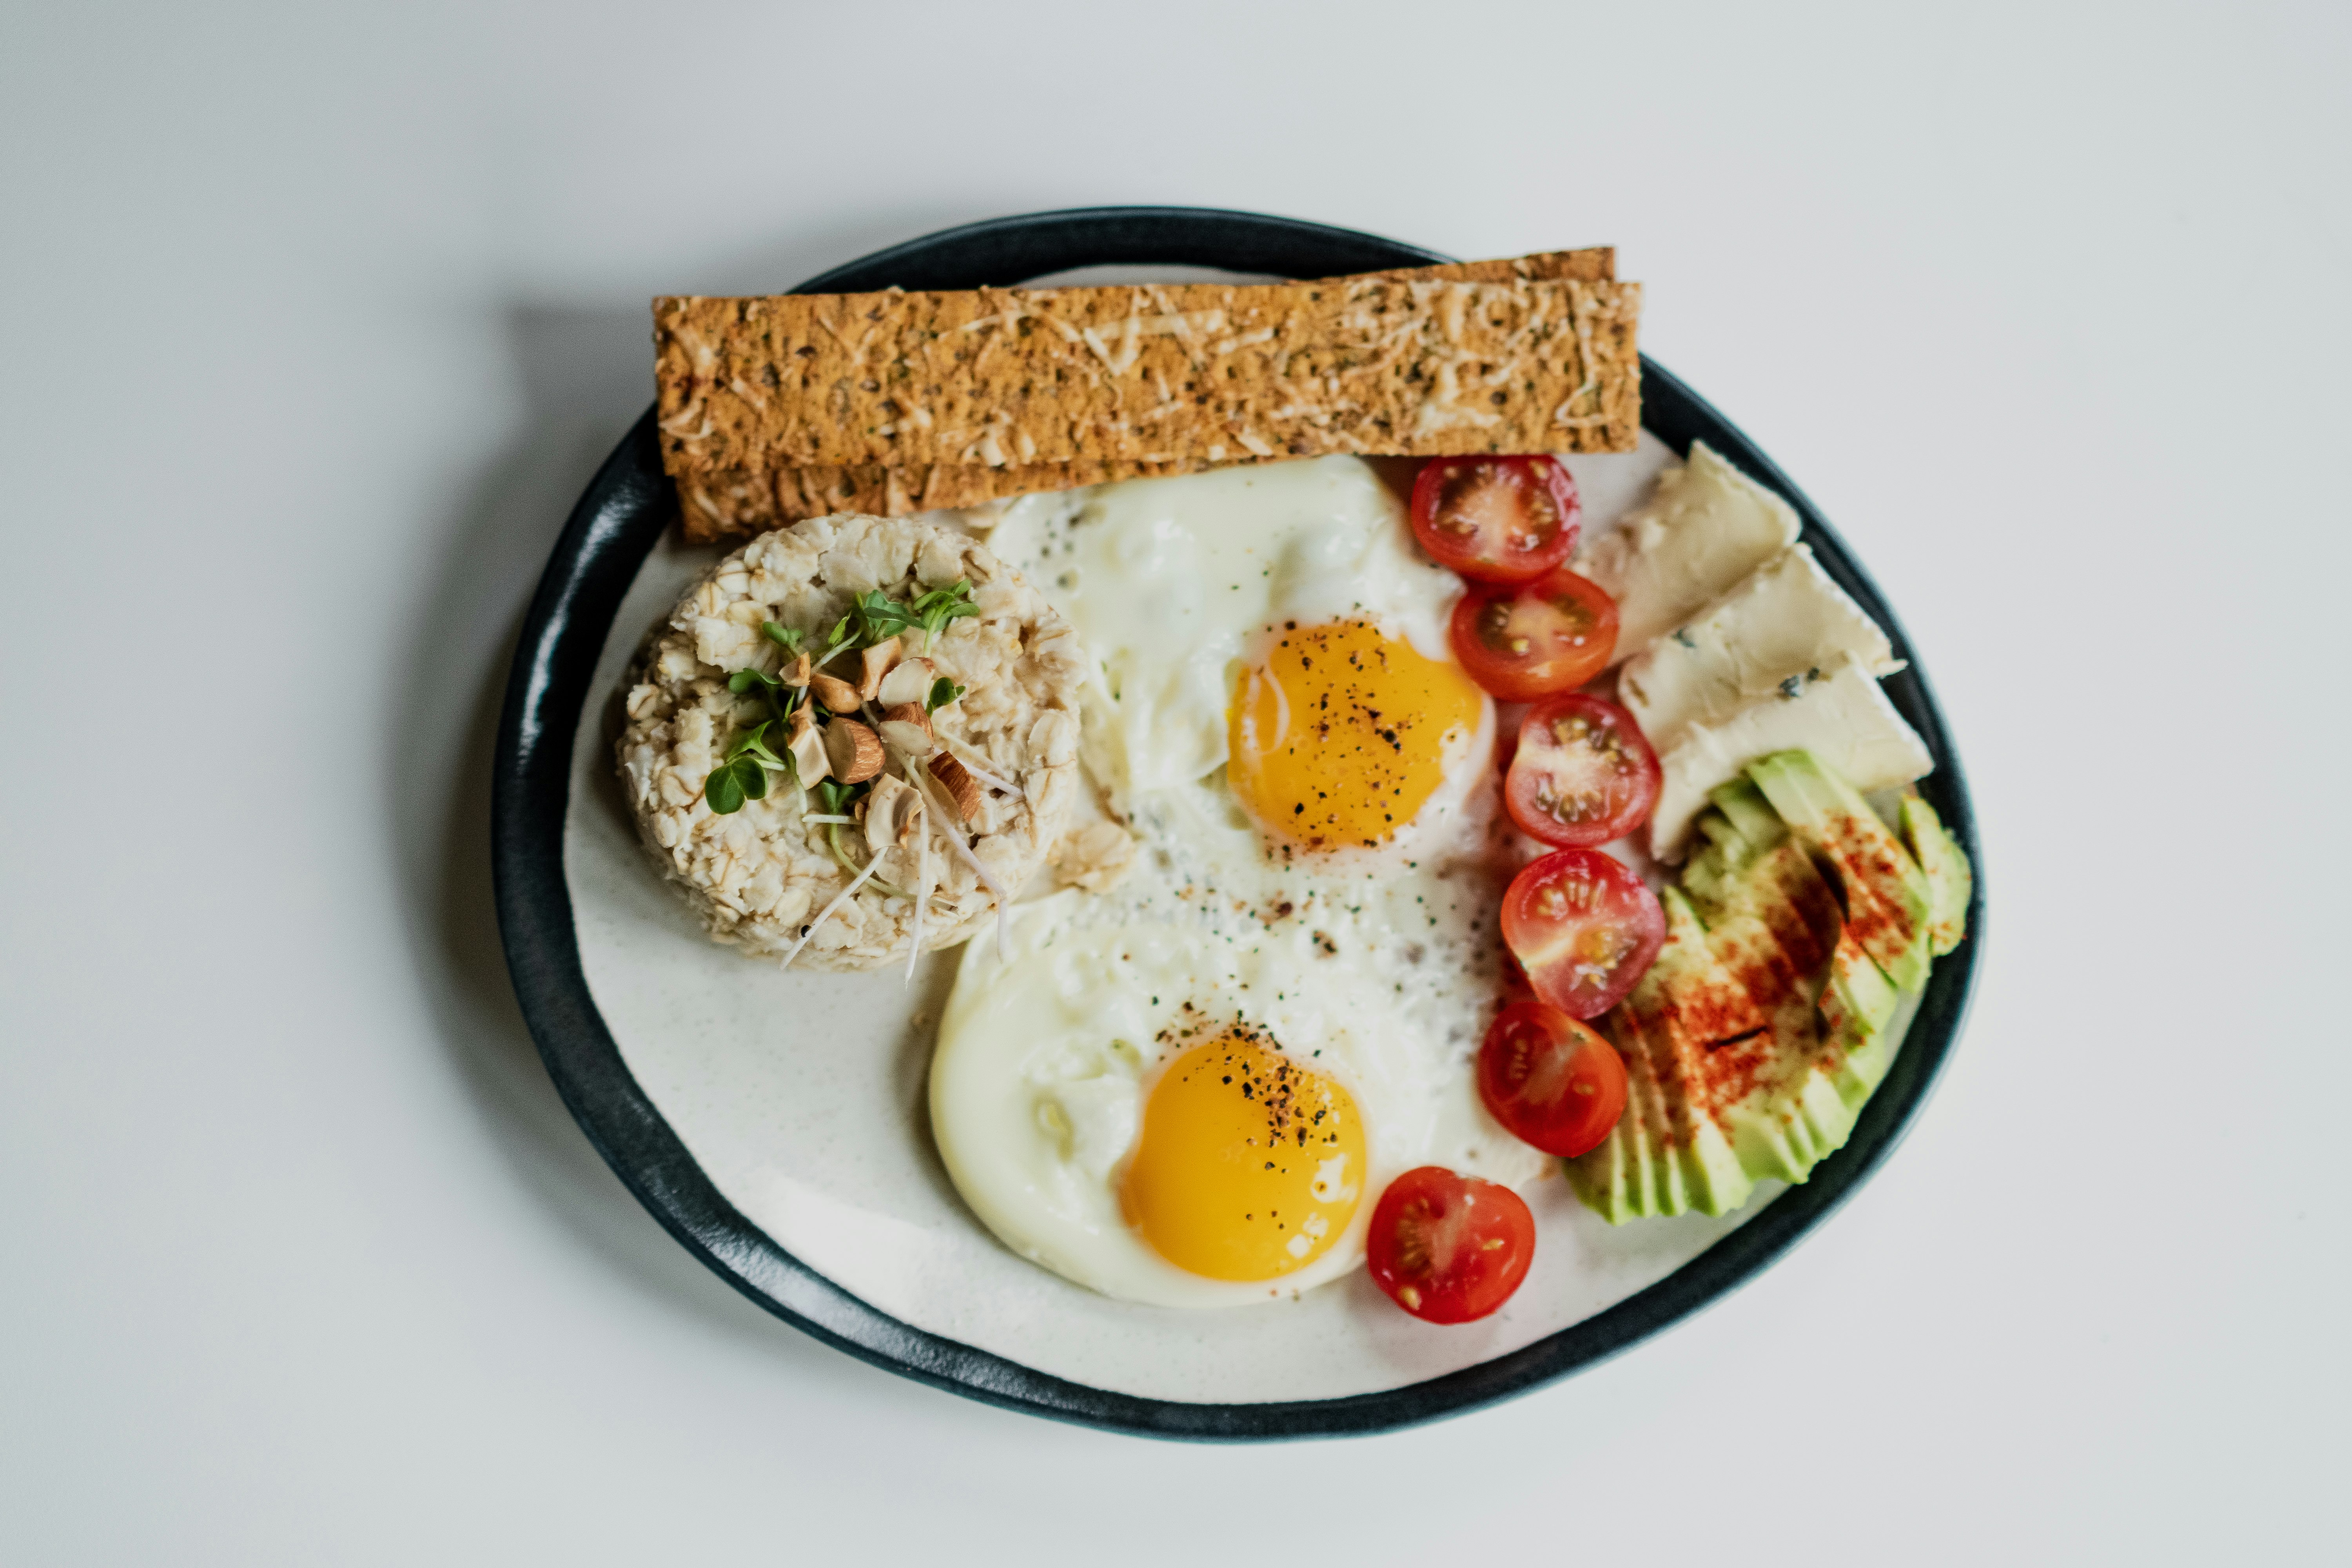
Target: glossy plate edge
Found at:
616, 525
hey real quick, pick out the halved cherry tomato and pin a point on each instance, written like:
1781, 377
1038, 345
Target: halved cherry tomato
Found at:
1584, 927
1551, 635
1582, 774
1550, 1080
1500, 519
1449, 1247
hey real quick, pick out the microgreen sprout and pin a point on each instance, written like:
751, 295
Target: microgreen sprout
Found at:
781, 698
943, 691
833, 797
875, 618
742, 680
742, 774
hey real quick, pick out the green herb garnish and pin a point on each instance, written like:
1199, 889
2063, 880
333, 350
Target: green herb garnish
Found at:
729, 786
833, 797
783, 636
742, 774
943, 691
781, 698
875, 618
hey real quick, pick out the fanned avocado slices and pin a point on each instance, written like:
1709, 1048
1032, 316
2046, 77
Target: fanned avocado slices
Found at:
1753, 1042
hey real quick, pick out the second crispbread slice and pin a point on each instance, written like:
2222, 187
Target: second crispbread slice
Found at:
716, 504
1188, 373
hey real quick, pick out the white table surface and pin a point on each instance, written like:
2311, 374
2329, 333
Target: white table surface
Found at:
315, 322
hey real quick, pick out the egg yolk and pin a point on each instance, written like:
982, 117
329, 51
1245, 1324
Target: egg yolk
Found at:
1339, 734
1249, 1165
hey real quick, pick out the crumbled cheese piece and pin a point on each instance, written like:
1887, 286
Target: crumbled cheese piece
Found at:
1784, 620
1704, 528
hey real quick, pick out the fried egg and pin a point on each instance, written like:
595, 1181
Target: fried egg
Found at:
1190, 1089
1176, 585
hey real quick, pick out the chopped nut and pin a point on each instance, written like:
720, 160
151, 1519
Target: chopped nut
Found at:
878, 662
908, 727
835, 693
890, 812
909, 682
961, 787
797, 672
854, 751
806, 748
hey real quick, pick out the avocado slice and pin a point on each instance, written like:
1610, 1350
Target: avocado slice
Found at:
1738, 827
1951, 882
1667, 1155
1749, 813
1705, 873
1888, 908
1859, 998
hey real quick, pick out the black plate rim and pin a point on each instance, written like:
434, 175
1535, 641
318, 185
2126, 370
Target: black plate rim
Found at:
613, 527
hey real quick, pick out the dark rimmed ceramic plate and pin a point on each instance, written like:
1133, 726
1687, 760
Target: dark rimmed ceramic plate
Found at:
807, 1182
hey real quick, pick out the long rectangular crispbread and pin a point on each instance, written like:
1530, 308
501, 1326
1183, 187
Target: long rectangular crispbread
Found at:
1149, 373
716, 504
1045, 389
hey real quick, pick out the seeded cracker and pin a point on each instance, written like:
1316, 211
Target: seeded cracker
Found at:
1156, 379
715, 504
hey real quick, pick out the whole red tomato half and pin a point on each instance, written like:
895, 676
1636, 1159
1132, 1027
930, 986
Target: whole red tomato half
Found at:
1550, 1080
1497, 520
1447, 1247
1584, 927
1535, 640
1581, 774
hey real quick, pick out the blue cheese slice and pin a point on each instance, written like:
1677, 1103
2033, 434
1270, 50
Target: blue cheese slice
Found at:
1706, 526
1784, 621
1840, 716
